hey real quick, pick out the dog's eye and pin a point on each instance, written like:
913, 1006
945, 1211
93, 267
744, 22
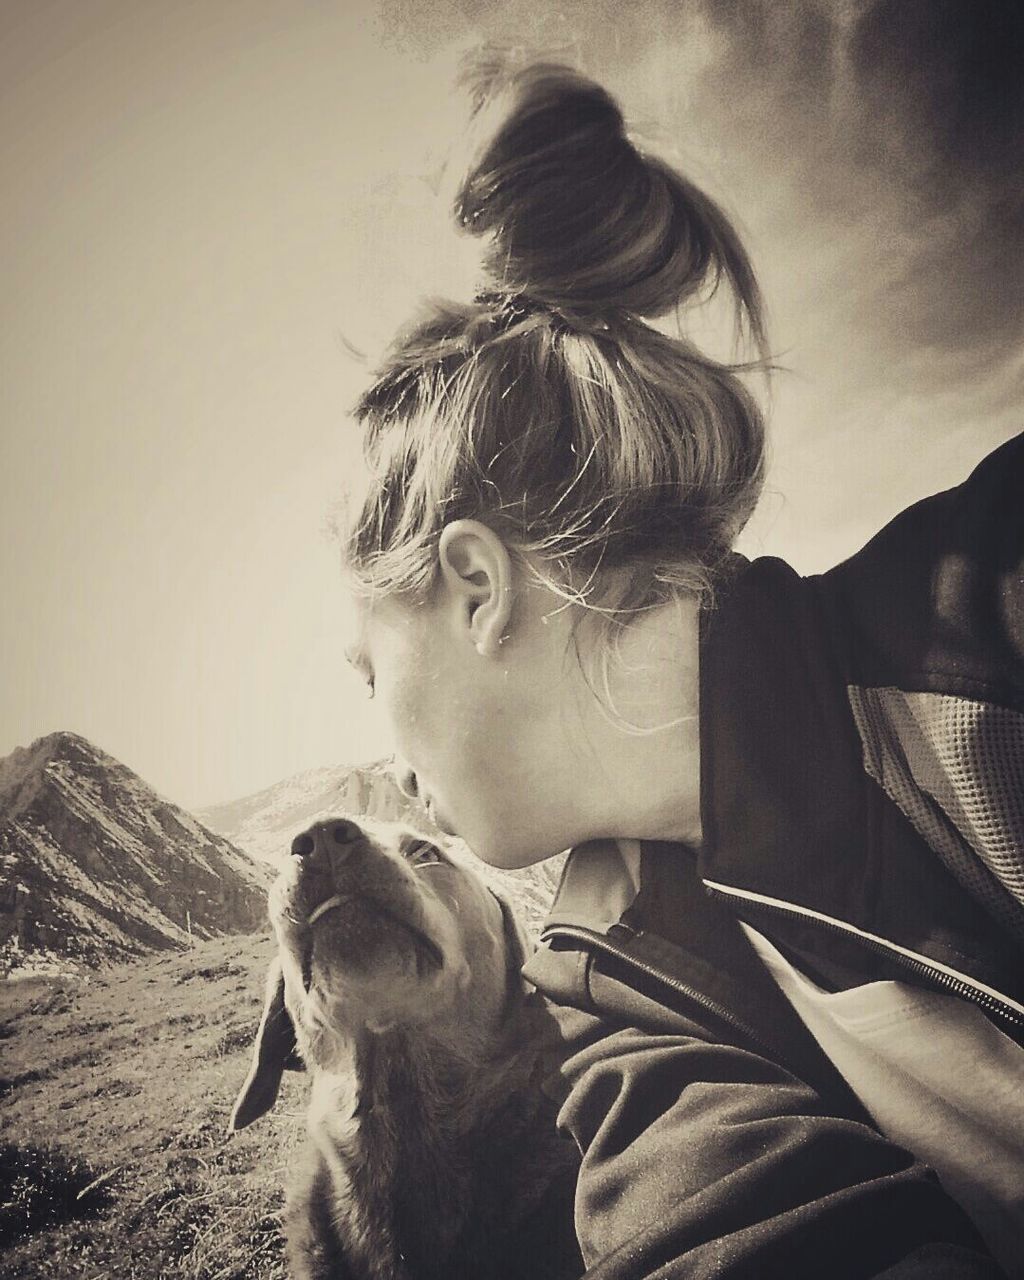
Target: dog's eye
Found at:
421, 853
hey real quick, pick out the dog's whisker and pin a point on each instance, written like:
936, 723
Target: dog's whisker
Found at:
328, 905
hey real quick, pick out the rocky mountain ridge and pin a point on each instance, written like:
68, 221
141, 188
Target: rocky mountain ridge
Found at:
96, 867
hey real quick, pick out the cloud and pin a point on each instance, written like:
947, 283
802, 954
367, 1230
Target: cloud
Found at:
948, 81
887, 134
903, 124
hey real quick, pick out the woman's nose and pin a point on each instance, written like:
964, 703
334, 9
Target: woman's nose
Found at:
406, 779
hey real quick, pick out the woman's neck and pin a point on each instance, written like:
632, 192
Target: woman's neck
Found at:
641, 730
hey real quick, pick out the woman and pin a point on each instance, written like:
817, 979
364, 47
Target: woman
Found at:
793, 919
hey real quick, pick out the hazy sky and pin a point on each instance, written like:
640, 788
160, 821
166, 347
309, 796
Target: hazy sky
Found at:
205, 205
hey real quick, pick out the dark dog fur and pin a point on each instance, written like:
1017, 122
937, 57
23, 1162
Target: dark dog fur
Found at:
434, 1154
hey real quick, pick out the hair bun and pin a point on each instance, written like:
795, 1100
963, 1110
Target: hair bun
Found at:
578, 218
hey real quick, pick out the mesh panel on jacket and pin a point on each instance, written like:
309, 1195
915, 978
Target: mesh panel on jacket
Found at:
956, 769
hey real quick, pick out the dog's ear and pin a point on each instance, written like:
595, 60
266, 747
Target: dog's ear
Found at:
274, 1053
515, 938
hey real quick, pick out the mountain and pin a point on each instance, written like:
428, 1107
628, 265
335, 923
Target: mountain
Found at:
95, 867
265, 823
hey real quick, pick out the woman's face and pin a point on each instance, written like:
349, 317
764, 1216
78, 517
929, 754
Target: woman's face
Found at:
485, 739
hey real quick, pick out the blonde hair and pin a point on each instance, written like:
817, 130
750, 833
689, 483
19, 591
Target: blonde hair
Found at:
548, 407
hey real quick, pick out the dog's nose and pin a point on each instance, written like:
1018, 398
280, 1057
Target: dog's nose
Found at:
344, 832
338, 833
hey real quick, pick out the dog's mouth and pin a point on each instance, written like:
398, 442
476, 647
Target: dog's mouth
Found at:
429, 956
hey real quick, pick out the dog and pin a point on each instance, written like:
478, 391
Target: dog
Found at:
434, 1153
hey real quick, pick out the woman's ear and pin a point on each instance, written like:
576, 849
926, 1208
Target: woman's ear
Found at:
476, 570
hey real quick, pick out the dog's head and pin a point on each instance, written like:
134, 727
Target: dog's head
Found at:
378, 933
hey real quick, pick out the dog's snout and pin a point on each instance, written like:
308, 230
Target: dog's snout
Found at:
327, 840
344, 832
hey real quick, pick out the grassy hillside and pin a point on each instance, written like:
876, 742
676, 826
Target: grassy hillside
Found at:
114, 1098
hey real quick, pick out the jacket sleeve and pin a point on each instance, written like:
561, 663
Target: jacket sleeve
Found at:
701, 1158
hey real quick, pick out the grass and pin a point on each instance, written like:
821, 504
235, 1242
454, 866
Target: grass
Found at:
114, 1100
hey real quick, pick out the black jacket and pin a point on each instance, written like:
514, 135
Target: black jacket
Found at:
717, 1139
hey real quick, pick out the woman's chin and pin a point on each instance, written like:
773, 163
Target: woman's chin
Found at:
506, 855
500, 845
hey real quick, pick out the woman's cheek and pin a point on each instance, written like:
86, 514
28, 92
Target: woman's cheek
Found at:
422, 727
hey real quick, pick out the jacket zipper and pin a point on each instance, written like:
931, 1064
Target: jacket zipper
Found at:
949, 980
602, 942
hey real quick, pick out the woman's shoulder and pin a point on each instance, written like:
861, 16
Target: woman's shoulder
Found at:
935, 601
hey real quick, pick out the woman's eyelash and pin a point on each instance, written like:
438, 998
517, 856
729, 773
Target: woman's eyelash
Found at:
360, 664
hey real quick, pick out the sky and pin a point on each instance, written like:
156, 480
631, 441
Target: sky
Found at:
209, 209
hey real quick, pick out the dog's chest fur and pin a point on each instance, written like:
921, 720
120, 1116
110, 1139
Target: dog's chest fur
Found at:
422, 1171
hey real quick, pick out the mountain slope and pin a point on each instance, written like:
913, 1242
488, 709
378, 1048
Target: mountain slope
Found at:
115, 1092
95, 867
